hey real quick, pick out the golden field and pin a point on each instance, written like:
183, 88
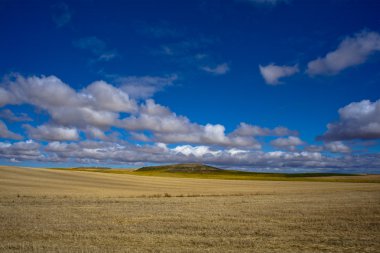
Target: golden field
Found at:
44, 210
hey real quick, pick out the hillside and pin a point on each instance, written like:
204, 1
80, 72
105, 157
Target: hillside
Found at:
202, 171
184, 167
196, 170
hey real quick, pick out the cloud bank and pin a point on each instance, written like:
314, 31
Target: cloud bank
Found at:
102, 124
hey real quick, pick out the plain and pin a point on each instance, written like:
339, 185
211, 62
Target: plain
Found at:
44, 210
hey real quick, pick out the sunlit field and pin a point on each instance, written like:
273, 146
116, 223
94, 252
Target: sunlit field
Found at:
44, 210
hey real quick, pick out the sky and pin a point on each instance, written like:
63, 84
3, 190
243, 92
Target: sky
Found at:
258, 85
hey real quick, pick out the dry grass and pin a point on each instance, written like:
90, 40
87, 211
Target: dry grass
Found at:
68, 211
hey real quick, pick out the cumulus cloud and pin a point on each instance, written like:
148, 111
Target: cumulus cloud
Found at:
6, 133
351, 51
108, 97
145, 86
97, 105
96, 47
96, 133
168, 127
282, 131
19, 151
52, 133
156, 118
211, 135
197, 151
289, 143
245, 129
358, 120
97, 108
272, 73
29, 90
337, 147
203, 137
220, 69
7, 98
61, 14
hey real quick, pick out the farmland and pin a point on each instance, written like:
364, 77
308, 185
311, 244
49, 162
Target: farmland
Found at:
45, 210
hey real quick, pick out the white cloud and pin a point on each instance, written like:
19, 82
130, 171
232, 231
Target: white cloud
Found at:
52, 133
208, 134
145, 86
283, 131
351, 51
94, 132
197, 151
97, 105
44, 92
337, 147
215, 133
19, 151
156, 118
220, 69
358, 120
140, 137
7, 97
272, 73
314, 148
56, 146
6, 133
289, 143
83, 117
245, 129
108, 97
167, 127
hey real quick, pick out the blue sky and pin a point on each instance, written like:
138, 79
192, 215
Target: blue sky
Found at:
264, 85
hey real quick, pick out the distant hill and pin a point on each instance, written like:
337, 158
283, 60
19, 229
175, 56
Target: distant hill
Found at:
197, 170
92, 168
184, 167
202, 171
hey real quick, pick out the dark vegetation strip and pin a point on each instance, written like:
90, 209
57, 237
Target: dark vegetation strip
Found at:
238, 175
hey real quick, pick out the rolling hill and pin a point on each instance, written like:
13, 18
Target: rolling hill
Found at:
202, 171
184, 168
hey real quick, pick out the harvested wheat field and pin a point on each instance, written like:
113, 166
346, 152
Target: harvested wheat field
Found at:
44, 210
